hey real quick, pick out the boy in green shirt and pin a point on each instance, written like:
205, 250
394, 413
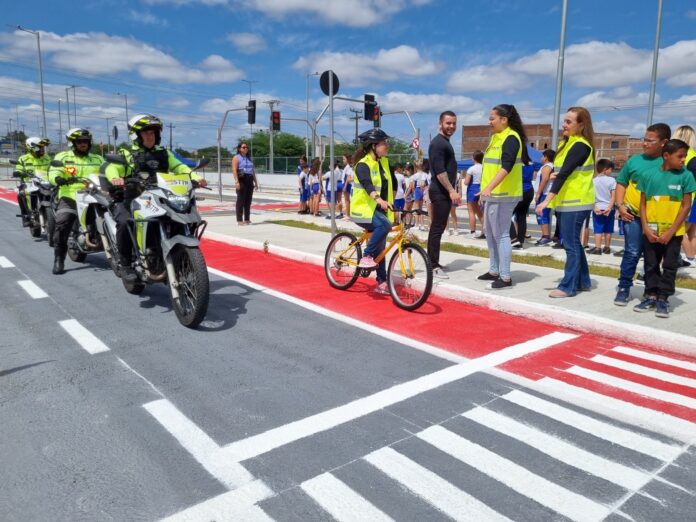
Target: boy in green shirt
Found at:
665, 201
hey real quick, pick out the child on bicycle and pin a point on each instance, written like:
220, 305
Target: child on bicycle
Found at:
372, 199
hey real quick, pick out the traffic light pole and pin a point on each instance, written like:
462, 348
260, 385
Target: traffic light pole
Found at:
271, 103
219, 146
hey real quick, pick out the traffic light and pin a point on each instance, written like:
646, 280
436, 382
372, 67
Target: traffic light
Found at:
368, 113
251, 112
376, 116
275, 120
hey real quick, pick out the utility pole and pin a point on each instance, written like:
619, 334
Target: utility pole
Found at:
357, 117
60, 127
170, 135
108, 135
74, 87
271, 104
67, 106
38, 45
125, 97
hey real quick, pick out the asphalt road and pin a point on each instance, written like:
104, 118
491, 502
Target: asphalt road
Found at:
274, 410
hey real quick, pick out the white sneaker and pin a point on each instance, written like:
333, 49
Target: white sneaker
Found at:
382, 289
440, 273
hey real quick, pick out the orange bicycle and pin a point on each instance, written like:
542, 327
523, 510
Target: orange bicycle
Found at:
409, 272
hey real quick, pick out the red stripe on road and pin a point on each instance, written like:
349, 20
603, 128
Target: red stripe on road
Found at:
8, 195
451, 325
675, 370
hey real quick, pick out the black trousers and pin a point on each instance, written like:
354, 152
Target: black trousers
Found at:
22, 200
244, 194
438, 223
661, 264
520, 215
66, 214
122, 214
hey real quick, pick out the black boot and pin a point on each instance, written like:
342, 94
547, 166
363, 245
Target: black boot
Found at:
59, 262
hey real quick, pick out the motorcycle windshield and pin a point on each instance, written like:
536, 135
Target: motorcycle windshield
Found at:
179, 184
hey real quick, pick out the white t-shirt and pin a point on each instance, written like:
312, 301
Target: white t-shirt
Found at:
475, 172
550, 181
303, 179
419, 179
338, 176
603, 186
348, 173
399, 186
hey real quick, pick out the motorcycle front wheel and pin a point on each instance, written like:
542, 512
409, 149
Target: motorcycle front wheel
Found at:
193, 285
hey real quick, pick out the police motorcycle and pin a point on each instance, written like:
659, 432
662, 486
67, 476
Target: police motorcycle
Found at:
40, 214
92, 204
166, 231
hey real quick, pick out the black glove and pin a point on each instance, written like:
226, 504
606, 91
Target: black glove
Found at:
66, 181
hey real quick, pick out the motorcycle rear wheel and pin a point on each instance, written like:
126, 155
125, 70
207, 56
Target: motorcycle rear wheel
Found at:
194, 288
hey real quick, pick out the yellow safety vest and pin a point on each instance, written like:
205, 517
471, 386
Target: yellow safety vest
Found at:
689, 156
577, 193
74, 166
362, 206
38, 164
510, 189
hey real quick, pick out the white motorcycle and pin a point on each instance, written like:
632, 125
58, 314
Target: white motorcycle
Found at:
37, 194
165, 233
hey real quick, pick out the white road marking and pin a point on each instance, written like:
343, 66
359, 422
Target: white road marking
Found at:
204, 449
634, 387
32, 289
516, 477
84, 337
238, 505
603, 430
671, 361
629, 413
340, 501
336, 316
560, 450
5, 263
446, 497
644, 370
264, 442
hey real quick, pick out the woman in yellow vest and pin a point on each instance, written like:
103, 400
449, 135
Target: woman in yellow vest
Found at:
572, 195
687, 135
501, 182
372, 198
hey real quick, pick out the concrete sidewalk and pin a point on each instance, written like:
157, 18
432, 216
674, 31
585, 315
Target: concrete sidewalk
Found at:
592, 312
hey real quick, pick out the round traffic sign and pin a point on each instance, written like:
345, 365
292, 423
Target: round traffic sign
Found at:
324, 83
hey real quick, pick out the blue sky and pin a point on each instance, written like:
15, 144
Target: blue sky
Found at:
185, 60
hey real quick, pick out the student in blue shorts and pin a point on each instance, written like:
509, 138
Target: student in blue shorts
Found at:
604, 213
544, 219
472, 180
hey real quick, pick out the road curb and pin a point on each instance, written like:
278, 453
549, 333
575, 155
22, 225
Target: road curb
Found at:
580, 321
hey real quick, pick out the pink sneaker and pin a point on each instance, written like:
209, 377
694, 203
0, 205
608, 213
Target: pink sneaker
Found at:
382, 289
367, 262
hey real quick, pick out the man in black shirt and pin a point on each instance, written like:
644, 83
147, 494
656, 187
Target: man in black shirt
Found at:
443, 168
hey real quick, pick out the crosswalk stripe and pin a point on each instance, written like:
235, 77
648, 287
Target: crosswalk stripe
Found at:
633, 387
644, 370
516, 477
434, 489
656, 358
656, 421
32, 289
560, 450
603, 430
340, 501
5, 263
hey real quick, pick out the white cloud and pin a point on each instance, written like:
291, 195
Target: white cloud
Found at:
352, 13
175, 103
385, 65
247, 43
146, 18
428, 103
588, 65
99, 53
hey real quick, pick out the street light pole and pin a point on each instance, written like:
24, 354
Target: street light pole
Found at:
251, 126
307, 113
125, 97
108, 134
67, 106
653, 75
38, 46
60, 126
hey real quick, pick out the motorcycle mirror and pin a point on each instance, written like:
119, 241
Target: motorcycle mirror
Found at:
115, 158
14, 162
16, 174
201, 163
57, 163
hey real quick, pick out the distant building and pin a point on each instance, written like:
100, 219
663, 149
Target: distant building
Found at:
616, 147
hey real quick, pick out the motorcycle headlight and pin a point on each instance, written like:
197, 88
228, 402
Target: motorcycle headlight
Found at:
178, 202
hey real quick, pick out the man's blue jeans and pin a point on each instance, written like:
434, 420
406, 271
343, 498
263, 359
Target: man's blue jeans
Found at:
380, 228
633, 248
576, 275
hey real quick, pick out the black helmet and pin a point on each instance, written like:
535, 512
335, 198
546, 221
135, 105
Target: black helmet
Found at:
373, 136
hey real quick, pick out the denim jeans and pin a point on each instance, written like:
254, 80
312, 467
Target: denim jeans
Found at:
576, 275
633, 248
380, 228
497, 222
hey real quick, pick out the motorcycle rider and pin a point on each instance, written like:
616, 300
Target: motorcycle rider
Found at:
77, 163
35, 161
145, 154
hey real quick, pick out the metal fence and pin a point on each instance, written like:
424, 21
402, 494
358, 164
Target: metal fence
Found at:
288, 165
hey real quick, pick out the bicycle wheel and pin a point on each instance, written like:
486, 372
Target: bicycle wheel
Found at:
410, 276
341, 260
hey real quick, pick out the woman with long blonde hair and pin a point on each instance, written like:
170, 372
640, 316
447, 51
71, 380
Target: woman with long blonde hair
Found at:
687, 135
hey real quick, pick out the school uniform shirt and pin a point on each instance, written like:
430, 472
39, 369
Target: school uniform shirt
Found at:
603, 187
475, 172
664, 191
399, 186
550, 181
632, 172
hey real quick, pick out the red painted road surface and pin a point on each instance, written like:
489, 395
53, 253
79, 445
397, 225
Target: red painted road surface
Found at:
472, 331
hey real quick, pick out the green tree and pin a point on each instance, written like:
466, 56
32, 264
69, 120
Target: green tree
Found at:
211, 152
183, 152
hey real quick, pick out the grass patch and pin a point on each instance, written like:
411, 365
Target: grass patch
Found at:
533, 260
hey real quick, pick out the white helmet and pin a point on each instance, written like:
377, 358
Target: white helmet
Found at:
143, 122
34, 143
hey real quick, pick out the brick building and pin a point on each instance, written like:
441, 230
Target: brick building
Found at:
617, 147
